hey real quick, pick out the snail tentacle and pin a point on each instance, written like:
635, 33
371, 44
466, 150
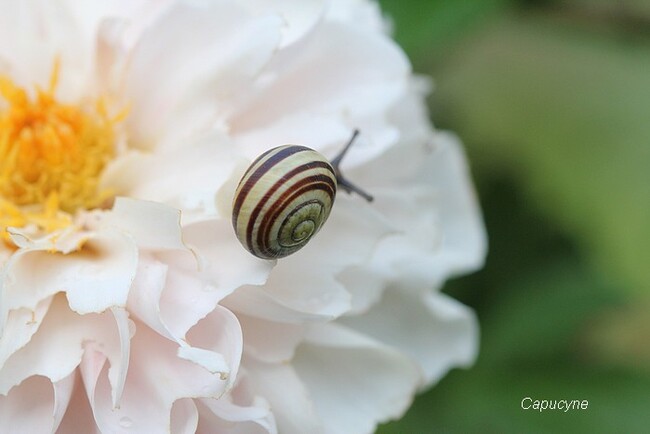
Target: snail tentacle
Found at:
342, 182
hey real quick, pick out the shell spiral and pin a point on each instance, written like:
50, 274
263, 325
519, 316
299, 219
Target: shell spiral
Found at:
282, 201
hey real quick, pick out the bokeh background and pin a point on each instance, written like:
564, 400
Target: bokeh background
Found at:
552, 100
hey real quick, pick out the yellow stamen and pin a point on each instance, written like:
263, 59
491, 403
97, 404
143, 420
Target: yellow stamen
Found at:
51, 156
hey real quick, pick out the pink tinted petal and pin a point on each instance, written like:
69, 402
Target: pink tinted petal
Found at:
365, 15
210, 423
409, 255
36, 405
164, 176
220, 334
238, 412
440, 233
152, 225
298, 16
308, 77
119, 358
464, 242
34, 33
157, 377
184, 417
305, 282
376, 382
288, 397
62, 395
20, 327
78, 417
89, 15
420, 325
95, 278
256, 302
172, 301
270, 341
144, 297
28, 407
197, 70
314, 130
224, 263
56, 349
436, 210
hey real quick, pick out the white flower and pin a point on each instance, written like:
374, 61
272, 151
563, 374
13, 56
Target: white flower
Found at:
127, 303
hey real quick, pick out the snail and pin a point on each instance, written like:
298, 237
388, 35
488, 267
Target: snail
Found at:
285, 197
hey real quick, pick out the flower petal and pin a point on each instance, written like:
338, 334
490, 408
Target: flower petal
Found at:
95, 278
238, 412
184, 417
62, 337
152, 225
376, 382
290, 400
298, 16
20, 327
270, 341
225, 49
419, 325
78, 417
164, 176
308, 77
28, 407
157, 377
305, 282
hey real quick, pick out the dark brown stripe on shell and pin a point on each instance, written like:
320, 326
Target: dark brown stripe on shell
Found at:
255, 176
276, 186
316, 182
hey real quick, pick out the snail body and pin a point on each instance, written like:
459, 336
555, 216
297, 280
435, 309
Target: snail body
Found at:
285, 197
283, 200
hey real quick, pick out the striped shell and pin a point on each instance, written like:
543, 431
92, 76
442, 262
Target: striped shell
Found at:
282, 200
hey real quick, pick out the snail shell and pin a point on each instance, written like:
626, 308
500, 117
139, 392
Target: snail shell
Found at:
282, 200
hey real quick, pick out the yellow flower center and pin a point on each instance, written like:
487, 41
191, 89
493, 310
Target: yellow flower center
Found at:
51, 156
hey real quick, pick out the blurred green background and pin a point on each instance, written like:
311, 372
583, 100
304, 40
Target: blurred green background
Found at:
552, 101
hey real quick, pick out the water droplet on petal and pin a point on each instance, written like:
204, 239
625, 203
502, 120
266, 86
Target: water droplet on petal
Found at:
126, 422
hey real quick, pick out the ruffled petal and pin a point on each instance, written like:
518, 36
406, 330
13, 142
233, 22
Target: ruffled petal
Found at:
20, 327
464, 244
94, 278
63, 391
152, 225
184, 417
172, 292
287, 395
306, 283
197, 71
376, 382
307, 77
157, 377
164, 176
419, 325
298, 16
78, 417
32, 35
28, 407
223, 262
270, 341
435, 214
238, 412
62, 337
